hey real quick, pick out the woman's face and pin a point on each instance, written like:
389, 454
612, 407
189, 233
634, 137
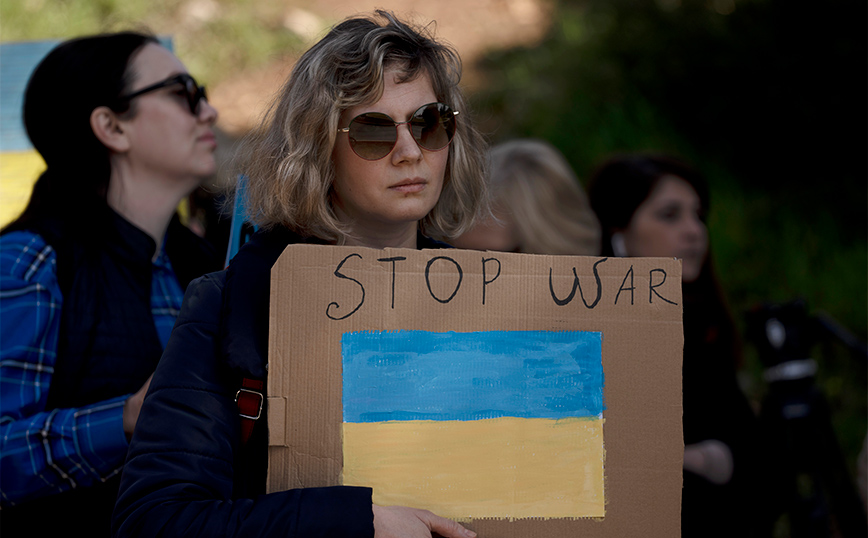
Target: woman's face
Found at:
668, 224
166, 140
387, 197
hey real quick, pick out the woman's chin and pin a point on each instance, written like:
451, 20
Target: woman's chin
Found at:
690, 271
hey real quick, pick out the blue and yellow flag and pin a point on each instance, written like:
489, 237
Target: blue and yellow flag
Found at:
494, 424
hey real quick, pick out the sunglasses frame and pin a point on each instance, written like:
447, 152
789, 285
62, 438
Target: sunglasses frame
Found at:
398, 123
194, 98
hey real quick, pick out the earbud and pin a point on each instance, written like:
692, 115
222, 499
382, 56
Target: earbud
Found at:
618, 246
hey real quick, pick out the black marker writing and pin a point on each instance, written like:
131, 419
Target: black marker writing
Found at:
577, 284
393, 260
428, 279
653, 291
631, 289
487, 282
339, 275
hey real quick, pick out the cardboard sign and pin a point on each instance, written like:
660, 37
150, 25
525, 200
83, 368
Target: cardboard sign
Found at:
522, 395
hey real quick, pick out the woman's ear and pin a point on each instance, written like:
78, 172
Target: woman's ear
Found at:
108, 129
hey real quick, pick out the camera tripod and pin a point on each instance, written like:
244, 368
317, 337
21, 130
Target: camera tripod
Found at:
809, 478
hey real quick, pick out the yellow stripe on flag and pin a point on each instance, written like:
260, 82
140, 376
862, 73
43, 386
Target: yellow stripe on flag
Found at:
18, 172
499, 468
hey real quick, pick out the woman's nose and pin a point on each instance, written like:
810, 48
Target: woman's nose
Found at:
694, 227
207, 112
406, 149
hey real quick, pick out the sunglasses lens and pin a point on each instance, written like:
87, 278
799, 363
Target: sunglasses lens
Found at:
195, 94
197, 98
372, 135
433, 126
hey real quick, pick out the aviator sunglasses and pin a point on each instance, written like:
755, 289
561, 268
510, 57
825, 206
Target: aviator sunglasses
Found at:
374, 134
192, 91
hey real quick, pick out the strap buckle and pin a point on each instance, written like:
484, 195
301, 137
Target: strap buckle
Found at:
246, 403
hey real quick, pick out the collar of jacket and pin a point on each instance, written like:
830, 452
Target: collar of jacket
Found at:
107, 229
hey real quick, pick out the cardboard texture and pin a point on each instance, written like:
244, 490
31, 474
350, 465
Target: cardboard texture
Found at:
523, 395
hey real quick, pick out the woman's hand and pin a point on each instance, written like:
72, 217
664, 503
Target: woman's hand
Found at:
403, 522
709, 459
133, 406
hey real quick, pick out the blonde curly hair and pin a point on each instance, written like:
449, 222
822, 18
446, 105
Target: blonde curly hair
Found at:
287, 161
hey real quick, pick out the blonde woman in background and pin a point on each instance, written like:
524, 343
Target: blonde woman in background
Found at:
538, 205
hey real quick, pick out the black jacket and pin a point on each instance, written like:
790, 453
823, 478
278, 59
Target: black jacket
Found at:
186, 472
108, 343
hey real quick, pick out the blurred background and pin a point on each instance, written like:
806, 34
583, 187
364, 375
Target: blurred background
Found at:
768, 98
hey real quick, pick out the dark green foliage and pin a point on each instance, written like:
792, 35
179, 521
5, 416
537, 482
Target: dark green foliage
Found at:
769, 98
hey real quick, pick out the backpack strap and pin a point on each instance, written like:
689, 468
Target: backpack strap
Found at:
250, 399
244, 321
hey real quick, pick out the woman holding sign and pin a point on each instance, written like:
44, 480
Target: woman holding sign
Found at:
369, 143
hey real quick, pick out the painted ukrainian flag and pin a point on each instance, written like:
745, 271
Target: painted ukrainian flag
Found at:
495, 424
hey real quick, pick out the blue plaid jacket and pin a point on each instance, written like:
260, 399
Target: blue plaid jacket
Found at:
44, 452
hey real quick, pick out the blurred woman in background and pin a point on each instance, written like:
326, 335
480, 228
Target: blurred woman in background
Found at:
656, 206
538, 205
93, 272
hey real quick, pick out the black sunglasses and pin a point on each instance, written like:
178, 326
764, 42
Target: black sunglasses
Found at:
374, 134
192, 91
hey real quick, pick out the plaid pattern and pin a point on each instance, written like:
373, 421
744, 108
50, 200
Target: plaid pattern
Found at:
166, 297
48, 452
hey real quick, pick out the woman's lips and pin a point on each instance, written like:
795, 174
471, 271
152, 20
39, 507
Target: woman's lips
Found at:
208, 138
410, 186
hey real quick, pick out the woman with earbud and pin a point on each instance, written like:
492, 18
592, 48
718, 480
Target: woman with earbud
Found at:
93, 272
656, 206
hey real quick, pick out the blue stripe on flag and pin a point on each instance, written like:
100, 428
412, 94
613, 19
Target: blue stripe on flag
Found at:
420, 375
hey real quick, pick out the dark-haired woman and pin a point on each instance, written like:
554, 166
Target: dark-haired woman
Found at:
656, 206
93, 272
